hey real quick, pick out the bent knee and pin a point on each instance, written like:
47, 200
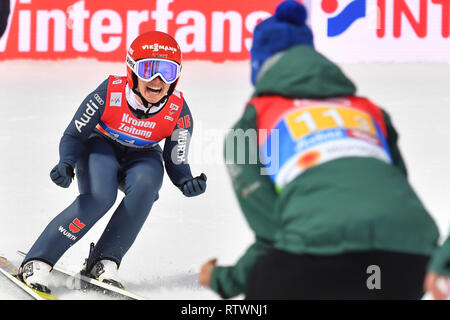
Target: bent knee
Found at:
99, 202
145, 183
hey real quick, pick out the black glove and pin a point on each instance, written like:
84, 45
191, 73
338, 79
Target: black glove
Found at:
62, 174
194, 187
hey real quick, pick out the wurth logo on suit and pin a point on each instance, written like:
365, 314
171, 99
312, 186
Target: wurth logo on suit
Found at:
75, 226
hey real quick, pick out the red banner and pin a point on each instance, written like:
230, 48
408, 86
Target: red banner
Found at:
64, 29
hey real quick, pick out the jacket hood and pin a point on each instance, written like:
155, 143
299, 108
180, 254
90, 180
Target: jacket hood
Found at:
302, 72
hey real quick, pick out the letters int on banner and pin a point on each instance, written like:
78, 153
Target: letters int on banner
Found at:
382, 30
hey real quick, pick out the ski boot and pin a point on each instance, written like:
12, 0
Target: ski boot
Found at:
104, 270
36, 274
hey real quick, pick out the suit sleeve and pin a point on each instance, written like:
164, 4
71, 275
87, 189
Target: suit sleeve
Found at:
440, 261
82, 125
176, 148
231, 281
257, 198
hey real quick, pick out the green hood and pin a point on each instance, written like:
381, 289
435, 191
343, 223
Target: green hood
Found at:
301, 72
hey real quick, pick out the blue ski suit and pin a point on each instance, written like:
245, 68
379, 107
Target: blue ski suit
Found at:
105, 165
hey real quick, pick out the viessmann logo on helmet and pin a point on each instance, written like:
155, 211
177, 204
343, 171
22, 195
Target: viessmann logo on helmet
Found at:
156, 47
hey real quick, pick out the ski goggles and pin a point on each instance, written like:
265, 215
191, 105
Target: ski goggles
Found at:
149, 69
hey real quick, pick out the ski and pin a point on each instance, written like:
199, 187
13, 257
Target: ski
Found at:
10, 271
86, 283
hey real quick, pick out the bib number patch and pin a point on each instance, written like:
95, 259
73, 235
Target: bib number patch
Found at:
323, 132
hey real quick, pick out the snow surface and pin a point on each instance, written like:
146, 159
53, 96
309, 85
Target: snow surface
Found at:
39, 98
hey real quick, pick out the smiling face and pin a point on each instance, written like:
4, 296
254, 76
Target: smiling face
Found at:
154, 90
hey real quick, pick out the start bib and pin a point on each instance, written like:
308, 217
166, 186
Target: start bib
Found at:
119, 123
305, 133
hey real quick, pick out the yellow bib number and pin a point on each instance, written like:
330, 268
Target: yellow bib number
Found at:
308, 120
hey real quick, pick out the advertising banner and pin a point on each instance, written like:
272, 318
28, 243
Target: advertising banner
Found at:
382, 30
205, 30
344, 30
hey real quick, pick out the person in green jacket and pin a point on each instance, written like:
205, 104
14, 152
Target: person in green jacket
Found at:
321, 181
437, 281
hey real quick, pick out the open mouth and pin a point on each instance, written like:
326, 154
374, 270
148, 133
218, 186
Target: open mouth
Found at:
155, 90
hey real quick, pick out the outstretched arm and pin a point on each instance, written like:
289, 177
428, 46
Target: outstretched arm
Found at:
230, 281
257, 198
437, 281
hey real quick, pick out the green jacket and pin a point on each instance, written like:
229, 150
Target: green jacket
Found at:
349, 204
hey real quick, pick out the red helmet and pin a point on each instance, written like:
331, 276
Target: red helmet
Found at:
156, 45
